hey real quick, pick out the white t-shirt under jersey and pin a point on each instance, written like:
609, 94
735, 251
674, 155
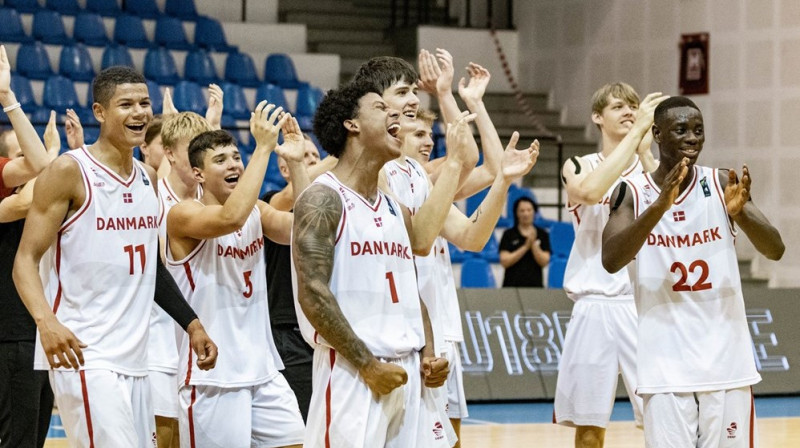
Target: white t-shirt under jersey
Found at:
102, 273
585, 275
224, 280
373, 276
693, 333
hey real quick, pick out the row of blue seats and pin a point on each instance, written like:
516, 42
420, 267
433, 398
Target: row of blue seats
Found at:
128, 30
477, 273
75, 62
184, 9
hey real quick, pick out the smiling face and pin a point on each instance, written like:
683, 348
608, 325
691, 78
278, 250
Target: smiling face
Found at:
123, 120
222, 167
679, 133
418, 144
616, 118
402, 96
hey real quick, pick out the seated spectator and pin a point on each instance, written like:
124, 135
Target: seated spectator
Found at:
524, 248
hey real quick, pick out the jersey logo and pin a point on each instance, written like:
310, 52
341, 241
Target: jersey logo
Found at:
732, 430
704, 184
679, 216
438, 431
144, 177
127, 198
412, 187
647, 193
378, 222
391, 208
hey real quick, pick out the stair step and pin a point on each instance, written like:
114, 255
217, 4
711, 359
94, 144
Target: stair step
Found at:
320, 35
356, 50
338, 21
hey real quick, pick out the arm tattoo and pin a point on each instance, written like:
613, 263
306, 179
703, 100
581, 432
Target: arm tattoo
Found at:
316, 220
478, 212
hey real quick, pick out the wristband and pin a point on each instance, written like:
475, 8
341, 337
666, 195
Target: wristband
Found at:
8, 109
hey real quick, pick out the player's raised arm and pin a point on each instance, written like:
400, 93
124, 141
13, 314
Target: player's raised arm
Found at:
317, 215
624, 233
764, 236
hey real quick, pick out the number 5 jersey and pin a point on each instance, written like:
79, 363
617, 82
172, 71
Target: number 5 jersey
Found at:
693, 333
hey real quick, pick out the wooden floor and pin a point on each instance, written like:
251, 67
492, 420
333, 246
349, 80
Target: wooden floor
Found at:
774, 433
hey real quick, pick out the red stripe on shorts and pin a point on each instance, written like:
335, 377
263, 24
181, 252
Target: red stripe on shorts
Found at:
328, 403
191, 417
85, 394
752, 419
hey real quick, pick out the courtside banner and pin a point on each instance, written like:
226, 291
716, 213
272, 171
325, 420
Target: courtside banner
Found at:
513, 339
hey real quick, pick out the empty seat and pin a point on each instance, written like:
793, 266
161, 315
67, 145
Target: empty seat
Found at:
23, 5
234, 101
75, 63
209, 34
555, 272
199, 67
183, 9
116, 55
90, 30
477, 273
59, 94
273, 94
475, 200
156, 98
160, 66
308, 98
279, 69
104, 7
146, 9
491, 251
129, 31
562, 235
189, 97
67, 7
23, 91
48, 28
11, 27
239, 69
32, 61
170, 33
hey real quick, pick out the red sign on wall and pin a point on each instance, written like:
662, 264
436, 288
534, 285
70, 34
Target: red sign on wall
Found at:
694, 64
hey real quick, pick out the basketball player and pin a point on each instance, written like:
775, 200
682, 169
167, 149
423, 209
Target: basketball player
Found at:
601, 339
215, 253
97, 207
679, 224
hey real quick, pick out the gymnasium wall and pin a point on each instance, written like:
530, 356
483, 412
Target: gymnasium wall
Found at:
571, 48
513, 341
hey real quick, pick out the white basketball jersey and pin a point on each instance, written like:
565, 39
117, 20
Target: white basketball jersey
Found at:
224, 280
373, 276
411, 187
102, 273
693, 333
585, 274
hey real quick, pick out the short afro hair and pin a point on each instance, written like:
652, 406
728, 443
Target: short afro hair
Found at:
383, 71
106, 82
205, 141
337, 107
670, 103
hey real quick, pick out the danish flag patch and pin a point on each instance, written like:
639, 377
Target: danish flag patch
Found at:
679, 216
127, 198
378, 222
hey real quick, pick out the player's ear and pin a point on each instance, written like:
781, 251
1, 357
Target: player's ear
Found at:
597, 118
198, 174
99, 112
351, 126
656, 134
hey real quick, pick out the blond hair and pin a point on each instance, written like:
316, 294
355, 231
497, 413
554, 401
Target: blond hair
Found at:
620, 90
183, 125
427, 117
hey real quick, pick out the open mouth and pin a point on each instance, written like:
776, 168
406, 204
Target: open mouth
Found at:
136, 127
232, 179
410, 113
393, 130
690, 152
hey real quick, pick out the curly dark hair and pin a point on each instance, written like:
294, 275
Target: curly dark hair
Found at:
383, 71
205, 141
671, 103
105, 83
337, 107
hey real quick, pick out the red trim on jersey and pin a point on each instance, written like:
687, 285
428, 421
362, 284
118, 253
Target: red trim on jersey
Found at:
115, 176
191, 417
374, 208
342, 222
685, 194
189, 369
574, 212
721, 195
332, 353
752, 418
189, 277
630, 169
554, 417
86, 410
57, 301
185, 259
635, 199
406, 170
86, 203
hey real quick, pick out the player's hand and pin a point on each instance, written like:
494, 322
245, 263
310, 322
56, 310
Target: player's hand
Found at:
202, 345
444, 84
670, 188
214, 111
51, 138
737, 192
7, 97
518, 162
460, 142
294, 144
167, 106
383, 377
648, 107
472, 93
434, 371
61, 347
435, 79
264, 127
74, 130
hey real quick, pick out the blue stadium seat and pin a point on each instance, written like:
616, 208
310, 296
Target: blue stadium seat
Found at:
183, 9
59, 94
116, 55
273, 94
146, 9
555, 272
90, 30
160, 66
48, 28
32, 61
23, 91
239, 69
129, 31
234, 102
457, 255
199, 67
475, 200
75, 63
308, 98
108, 8
208, 34
156, 98
491, 251
189, 97
279, 69
23, 5
562, 235
65, 7
170, 33
477, 273
11, 27
273, 174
